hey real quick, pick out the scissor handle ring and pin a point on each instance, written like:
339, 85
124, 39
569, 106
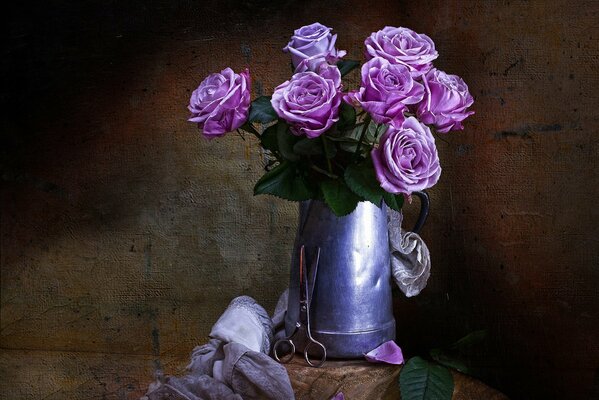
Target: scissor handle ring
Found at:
318, 363
285, 359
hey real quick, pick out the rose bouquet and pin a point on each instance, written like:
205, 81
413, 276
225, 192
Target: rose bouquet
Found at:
375, 143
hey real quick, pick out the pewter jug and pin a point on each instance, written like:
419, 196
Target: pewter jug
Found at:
351, 307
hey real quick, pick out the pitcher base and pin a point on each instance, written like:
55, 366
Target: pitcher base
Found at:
354, 344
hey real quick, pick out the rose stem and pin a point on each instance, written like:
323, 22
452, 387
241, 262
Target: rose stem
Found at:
376, 134
326, 154
366, 123
322, 171
255, 133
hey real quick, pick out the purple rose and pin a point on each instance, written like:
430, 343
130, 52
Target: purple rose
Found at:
311, 45
406, 159
386, 90
402, 46
221, 103
445, 102
309, 102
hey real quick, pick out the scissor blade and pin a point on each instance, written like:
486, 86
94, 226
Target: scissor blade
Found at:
302, 278
313, 273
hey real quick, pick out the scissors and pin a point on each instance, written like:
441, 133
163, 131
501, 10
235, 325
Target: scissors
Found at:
302, 325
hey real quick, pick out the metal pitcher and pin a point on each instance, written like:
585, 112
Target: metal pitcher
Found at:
351, 308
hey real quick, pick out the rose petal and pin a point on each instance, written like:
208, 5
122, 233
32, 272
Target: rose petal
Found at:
388, 352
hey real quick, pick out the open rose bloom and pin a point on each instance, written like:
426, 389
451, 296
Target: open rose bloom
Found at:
310, 101
312, 45
340, 144
402, 46
406, 159
221, 103
386, 91
446, 101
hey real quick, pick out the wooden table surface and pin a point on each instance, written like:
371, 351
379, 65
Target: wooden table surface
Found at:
360, 380
79, 375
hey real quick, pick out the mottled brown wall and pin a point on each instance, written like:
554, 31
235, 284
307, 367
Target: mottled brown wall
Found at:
124, 234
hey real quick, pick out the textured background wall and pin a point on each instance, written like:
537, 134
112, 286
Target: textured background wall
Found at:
124, 234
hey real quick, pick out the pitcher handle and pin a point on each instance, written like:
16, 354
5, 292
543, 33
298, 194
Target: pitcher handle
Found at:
424, 206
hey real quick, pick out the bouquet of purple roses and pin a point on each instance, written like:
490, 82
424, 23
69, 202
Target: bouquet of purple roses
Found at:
374, 143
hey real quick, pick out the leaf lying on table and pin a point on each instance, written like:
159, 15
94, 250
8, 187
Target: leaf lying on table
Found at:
422, 380
388, 352
470, 339
456, 355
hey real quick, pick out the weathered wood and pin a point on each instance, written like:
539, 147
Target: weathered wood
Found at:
360, 380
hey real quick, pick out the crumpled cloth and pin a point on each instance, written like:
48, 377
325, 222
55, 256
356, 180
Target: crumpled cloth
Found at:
245, 322
234, 364
410, 258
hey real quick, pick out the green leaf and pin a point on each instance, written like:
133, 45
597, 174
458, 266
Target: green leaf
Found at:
470, 339
248, 128
450, 361
347, 117
268, 139
284, 181
355, 133
375, 131
285, 141
308, 147
371, 131
261, 110
338, 197
349, 147
394, 201
456, 355
343, 139
361, 179
346, 66
421, 380
330, 149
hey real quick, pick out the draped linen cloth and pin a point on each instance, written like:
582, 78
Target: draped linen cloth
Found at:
410, 258
234, 364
